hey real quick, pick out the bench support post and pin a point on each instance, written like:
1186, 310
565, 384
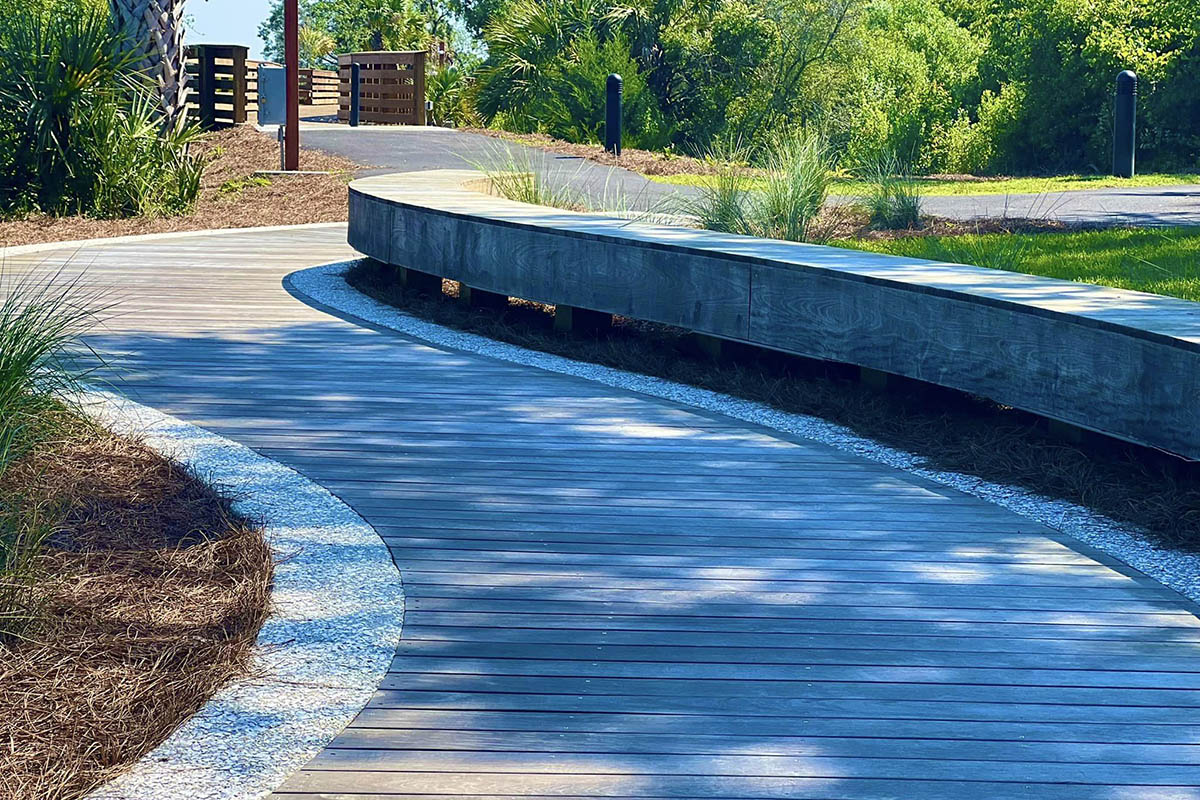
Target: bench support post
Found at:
479, 298
570, 319
417, 281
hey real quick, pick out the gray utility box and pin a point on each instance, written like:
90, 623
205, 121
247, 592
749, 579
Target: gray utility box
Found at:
272, 95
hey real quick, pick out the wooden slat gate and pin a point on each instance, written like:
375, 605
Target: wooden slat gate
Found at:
318, 87
392, 87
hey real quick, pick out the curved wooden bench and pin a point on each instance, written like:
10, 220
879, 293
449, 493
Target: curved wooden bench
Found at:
1122, 363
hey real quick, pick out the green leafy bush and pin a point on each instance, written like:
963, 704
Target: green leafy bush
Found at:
982, 146
546, 72
79, 127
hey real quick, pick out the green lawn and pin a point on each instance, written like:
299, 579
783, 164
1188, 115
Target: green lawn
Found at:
1165, 261
1060, 183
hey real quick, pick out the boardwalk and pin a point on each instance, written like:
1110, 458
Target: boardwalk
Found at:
614, 596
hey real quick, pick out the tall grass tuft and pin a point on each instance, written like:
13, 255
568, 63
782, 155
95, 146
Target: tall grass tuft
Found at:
722, 203
893, 200
43, 358
797, 178
510, 172
785, 203
80, 129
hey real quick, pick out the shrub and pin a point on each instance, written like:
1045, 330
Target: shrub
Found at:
80, 130
450, 89
546, 70
981, 147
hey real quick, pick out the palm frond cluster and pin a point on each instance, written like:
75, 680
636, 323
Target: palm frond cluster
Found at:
83, 129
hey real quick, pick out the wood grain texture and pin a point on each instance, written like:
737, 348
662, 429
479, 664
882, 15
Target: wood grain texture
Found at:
1123, 363
610, 595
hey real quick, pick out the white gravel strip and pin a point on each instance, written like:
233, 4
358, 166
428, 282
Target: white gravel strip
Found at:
337, 606
1176, 569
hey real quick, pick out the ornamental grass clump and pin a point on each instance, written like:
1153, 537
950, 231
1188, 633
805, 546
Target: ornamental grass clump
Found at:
786, 200
893, 198
43, 318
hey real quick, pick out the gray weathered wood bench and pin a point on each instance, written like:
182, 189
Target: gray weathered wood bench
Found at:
1123, 363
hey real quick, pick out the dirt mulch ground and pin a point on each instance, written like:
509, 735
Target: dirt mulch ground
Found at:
860, 227
230, 197
644, 161
149, 597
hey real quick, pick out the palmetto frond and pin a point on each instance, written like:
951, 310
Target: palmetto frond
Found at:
154, 30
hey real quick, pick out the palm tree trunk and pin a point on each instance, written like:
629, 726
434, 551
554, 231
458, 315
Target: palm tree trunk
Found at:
154, 30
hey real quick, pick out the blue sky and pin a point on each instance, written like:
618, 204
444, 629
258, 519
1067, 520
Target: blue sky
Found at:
227, 22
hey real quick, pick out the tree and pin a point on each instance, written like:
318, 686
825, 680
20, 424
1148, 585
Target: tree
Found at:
153, 32
356, 25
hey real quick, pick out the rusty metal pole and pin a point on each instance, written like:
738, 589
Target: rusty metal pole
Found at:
291, 58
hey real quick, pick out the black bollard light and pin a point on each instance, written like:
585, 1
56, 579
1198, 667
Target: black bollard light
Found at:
1125, 124
355, 93
612, 115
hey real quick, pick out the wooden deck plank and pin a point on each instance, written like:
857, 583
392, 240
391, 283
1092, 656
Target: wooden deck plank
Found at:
615, 596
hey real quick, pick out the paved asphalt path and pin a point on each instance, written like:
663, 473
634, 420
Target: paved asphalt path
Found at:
411, 149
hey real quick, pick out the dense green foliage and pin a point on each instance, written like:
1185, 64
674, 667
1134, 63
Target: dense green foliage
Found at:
329, 27
950, 186
1163, 261
80, 129
982, 86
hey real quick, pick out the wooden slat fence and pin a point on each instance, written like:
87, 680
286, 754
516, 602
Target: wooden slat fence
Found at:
224, 85
392, 89
318, 87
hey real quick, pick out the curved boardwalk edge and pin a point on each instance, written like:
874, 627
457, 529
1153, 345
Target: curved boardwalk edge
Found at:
1124, 363
336, 611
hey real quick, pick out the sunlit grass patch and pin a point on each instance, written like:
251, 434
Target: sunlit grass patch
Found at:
969, 186
1161, 261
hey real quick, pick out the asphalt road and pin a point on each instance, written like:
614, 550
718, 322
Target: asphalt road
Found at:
411, 149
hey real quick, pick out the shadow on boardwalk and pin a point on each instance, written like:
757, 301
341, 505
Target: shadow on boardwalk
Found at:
610, 595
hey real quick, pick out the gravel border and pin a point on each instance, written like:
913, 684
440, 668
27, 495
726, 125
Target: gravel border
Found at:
337, 607
1177, 569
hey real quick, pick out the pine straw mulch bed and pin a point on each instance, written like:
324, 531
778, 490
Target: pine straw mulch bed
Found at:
947, 430
230, 198
149, 596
